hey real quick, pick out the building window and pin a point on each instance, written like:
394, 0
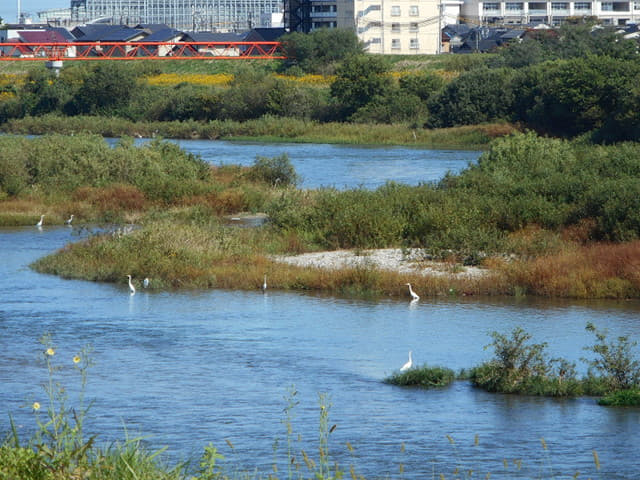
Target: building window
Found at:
414, 44
559, 6
413, 27
606, 6
414, 11
395, 27
490, 6
513, 7
636, 5
395, 11
395, 44
376, 40
582, 6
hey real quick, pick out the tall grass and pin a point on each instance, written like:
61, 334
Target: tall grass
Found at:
268, 129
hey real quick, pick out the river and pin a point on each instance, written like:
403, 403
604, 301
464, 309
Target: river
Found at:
188, 368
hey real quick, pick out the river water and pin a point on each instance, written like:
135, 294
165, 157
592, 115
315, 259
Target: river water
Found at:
188, 368
339, 166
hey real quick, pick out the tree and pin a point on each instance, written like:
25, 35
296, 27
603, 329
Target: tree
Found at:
106, 90
358, 81
571, 97
474, 97
319, 50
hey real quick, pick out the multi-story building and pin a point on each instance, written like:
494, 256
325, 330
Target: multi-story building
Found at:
385, 26
616, 12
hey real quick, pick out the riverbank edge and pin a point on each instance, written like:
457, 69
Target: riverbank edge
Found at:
268, 130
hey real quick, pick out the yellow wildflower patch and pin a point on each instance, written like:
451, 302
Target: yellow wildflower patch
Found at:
309, 79
170, 79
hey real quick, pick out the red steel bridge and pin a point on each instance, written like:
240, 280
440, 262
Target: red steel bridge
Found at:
15, 51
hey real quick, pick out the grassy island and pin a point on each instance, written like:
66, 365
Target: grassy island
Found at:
536, 214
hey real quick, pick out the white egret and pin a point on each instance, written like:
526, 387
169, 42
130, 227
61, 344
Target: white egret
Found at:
264, 283
407, 365
145, 282
132, 289
414, 295
69, 220
39, 224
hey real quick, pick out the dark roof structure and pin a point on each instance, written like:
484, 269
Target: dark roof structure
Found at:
265, 34
213, 37
165, 35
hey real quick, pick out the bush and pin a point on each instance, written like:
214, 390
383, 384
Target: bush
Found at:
424, 376
22, 463
614, 361
621, 398
277, 171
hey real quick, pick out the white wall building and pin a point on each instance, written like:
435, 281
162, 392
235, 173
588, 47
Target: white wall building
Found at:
551, 12
385, 26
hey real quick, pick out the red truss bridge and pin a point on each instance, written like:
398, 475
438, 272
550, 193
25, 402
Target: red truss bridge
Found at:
12, 51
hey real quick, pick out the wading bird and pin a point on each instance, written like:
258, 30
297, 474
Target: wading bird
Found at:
69, 220
407, 365
132, 289
264, 283
39, 224
414, 295
145, 282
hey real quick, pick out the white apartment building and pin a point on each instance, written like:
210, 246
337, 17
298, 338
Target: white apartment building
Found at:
617, 12
403, 27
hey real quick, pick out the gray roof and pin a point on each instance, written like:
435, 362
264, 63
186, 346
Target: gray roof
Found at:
214, 37
163, 35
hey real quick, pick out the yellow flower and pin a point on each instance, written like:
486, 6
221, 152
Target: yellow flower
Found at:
76, 359
36, 406
50, 352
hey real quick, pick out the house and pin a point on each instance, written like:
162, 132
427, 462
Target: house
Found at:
49, 36
108, 35
216, 47
265, 34
166, 35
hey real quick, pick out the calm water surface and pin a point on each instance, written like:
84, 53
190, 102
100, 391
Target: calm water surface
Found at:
340, 166
190, 368
198, 367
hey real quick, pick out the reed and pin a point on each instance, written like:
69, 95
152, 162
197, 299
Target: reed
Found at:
267, 129
583, 271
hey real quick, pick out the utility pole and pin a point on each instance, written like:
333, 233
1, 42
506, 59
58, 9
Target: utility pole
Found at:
18, 19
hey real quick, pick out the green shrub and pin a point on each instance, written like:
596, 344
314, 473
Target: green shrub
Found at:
277, 171
621, 398
614, 361
18, 463
423, 376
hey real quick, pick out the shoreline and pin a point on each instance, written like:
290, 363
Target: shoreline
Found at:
403, 261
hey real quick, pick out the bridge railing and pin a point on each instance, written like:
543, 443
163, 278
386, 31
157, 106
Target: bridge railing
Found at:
12, 51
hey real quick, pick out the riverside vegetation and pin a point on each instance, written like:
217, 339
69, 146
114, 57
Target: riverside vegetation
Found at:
60, 447
543, 216
577, 80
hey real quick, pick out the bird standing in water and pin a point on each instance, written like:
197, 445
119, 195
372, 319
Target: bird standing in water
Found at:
69, 220
407, 365
132, 289
414, 295
39, 224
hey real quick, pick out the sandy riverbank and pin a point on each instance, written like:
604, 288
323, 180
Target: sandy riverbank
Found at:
393, 259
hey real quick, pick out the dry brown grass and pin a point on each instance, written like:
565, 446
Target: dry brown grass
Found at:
113, 197
600, 270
